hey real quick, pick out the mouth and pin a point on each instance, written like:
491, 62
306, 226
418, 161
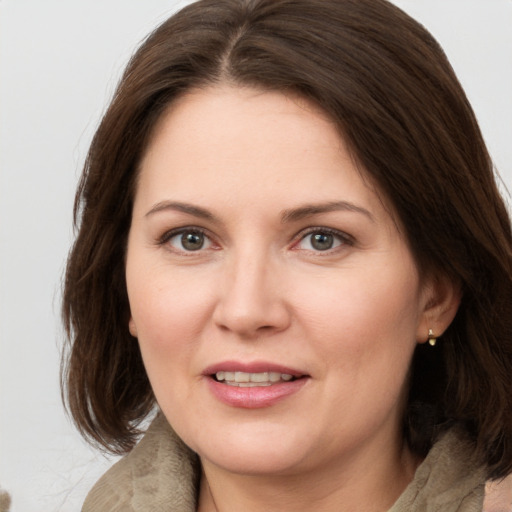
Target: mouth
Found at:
251, 380
253, 385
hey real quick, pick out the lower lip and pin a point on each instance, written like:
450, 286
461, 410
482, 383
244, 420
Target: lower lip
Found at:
254, 397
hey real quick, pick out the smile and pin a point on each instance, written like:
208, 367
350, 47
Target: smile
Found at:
248, 380
253, 385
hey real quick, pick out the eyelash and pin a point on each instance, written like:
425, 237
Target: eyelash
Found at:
169, 235
343, 238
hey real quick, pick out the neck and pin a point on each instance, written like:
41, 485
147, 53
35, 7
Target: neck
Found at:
373, 486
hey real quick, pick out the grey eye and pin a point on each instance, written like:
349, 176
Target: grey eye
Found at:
192, 241
189, 241
321, 241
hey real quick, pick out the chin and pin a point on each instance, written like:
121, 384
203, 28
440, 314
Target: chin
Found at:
253, 449
254, 462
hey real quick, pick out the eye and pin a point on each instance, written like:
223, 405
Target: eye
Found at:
322, 240
187, 240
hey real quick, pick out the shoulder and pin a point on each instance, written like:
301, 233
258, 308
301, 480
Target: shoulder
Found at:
161, 470
450, 479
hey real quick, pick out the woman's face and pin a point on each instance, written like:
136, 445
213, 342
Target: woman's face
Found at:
276, 304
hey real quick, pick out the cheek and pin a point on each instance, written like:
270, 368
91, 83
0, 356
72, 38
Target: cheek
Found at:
380, 304
365, 326
167, 306
169, 314
168, 334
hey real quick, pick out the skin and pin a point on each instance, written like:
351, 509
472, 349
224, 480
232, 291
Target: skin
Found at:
348, 317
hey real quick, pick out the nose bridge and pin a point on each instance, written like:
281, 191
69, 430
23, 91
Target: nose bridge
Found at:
251, 300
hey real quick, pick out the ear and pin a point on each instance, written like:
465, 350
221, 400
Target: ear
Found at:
440, 301
132, 327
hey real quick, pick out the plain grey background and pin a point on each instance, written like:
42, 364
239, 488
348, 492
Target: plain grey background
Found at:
59, 63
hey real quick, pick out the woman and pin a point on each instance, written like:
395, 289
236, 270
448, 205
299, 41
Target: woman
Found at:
291, 246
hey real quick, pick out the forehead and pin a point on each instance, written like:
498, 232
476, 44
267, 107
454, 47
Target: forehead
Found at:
234, 117
217, 141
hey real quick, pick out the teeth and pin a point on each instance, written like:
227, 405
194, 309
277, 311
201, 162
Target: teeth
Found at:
249, 384
242, 377
274, 377
258, 377
249, 380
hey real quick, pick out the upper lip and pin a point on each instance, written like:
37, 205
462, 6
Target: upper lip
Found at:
252, 367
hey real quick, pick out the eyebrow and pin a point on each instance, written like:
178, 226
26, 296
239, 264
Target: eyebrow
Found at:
296, 214
189, 209
291, 215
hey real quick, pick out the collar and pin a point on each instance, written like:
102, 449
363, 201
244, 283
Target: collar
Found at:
161, 474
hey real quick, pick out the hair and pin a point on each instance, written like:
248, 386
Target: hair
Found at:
388, 86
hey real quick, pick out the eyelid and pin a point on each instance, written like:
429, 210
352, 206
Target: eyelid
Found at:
171, 233
176, 231
344, 237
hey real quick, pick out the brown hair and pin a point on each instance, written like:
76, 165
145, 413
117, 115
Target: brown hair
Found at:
388, 85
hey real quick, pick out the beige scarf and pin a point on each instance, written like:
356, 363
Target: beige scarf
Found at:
161, 475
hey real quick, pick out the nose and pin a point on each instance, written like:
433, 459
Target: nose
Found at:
251, 299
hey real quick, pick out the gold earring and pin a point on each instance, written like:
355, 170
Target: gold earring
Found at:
431, 338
